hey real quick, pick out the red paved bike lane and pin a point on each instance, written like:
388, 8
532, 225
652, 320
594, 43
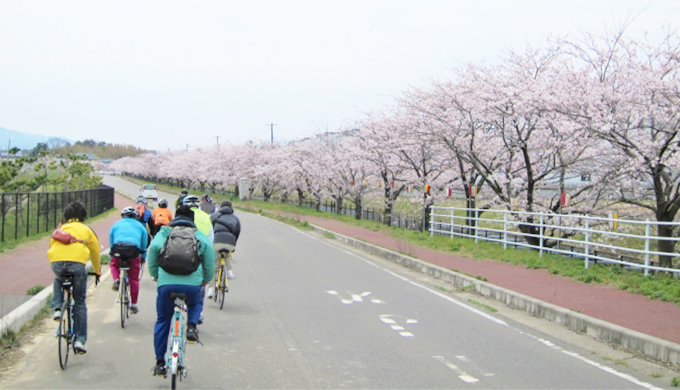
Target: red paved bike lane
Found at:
26, 265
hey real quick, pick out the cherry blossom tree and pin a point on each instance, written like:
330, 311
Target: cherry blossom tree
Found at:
634, 107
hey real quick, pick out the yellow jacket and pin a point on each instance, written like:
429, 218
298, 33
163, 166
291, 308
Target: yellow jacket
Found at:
77, 252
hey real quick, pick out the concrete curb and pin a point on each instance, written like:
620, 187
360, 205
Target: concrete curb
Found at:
652, 347
18, 317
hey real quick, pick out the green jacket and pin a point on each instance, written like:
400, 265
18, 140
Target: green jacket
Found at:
203, 274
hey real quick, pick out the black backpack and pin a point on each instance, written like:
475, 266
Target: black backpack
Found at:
180, 254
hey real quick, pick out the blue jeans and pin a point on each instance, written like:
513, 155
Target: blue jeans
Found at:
79, 294
165, 308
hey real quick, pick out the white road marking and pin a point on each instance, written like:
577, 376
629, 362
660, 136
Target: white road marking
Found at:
462, 375
496, 320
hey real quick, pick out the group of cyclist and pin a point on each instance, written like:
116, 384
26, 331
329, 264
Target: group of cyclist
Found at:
215, 228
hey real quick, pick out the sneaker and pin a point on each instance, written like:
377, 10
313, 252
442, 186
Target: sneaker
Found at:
159, 369
57, 315
79, 347
200, 320
192, 333
211, 292
230, 274
116, 285
134, 309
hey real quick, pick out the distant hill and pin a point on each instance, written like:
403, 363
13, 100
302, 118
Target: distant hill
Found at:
16, 139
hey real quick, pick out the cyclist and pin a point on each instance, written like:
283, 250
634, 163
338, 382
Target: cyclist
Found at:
71, 259
202, 221
207, 204
168, 283
227, 229
201, 218
143, 213
129, 238
161, 215
182, 195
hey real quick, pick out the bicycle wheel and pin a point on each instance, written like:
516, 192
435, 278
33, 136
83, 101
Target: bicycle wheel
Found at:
174, 381
217, 283
223, 286
64, 336
123, 298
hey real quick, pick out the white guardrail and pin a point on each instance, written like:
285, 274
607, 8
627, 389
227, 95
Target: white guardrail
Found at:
629, 243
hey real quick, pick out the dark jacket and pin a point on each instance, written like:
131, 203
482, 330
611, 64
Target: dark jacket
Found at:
226, 226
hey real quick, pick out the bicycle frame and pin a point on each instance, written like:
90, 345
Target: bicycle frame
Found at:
124, 295
178, 340
67, 319
66, 330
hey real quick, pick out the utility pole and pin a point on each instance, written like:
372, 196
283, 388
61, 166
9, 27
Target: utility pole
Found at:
272, 130
218, 139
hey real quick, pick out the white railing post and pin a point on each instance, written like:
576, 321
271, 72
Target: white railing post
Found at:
453, 222
647, 233
540, 237
586, 246
476, 223
505, 229
433, 211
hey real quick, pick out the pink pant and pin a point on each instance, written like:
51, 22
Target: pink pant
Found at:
133, 275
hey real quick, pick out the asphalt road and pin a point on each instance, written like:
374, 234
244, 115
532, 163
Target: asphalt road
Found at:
304, 312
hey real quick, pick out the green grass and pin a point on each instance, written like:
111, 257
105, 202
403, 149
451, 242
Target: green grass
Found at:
35, 290
483, 306
657, 286
675, 382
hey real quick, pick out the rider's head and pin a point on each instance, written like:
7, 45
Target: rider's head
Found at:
184, 192
75, 210
191, 201
206, 198
225, 203
141, 199
163, 203
129, 212
185, 211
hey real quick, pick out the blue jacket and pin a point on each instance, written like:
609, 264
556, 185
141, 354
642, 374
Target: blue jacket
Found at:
205, 271
131, 231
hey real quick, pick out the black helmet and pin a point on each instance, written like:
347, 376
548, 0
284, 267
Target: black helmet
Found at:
129, 212
191, 201
163, 203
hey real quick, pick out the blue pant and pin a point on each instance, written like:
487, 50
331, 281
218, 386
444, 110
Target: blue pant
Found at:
79, 294
165, 308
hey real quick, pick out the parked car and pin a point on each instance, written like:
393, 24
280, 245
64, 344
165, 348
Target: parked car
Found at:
148, 191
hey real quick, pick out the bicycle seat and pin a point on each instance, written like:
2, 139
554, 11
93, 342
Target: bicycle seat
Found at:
225, 250
67, 278
181, 296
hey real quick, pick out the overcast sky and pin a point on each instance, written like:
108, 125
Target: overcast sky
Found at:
166, 74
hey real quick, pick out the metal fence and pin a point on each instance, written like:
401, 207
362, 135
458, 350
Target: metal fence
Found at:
23, 214
628, 243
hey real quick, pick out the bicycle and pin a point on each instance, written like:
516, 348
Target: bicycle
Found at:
175, 360
124, 291
65, 332
221, 284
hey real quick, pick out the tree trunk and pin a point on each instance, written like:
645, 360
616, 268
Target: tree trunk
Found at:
358, 208
427, 211
338, 205
387, 214
301, 196
665, 246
